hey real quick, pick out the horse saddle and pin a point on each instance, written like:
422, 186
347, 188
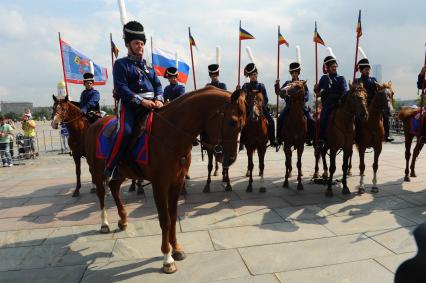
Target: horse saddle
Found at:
139, 140
415, 122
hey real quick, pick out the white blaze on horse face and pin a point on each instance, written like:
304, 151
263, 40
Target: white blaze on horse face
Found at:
104, 218
56, 120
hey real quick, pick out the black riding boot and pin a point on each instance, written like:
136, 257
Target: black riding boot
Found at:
271, 134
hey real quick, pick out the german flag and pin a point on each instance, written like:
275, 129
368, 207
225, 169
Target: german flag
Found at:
317, 37
358, 26
114, 49
281, 40
244, 35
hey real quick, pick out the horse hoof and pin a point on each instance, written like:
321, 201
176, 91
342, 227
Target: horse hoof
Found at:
132, 188
93, 190
104, 229
262, 190
349, 173
228, 188
249, 189
329, 193
407, 179
187, 177
179, 255
76, 194
300, 187
122, 226
325, 175
169, 268
374, 189
215, 173
361, 190
413, 174
316, 176
206, 189
247, 174
285, 184
346, 191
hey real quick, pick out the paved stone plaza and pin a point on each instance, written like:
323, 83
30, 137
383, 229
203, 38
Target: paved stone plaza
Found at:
280, 236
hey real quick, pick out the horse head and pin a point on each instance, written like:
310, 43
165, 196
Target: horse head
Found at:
224, 126
385, 95
63, 111
255, 103
296, 93
356, 101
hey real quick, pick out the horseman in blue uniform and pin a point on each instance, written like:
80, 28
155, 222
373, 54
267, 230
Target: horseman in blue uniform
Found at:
294, 69
174, 90
137, 88
214, 76
89, 98
331, 88
254, 87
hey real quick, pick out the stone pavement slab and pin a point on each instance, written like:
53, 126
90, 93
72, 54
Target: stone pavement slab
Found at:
199, 267
392, 262
398, 240
353, 272
68, 274
310, 253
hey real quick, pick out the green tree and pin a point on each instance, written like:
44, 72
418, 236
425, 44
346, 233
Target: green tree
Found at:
12, 115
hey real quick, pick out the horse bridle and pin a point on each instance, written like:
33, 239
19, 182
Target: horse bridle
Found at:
62, 115
216, 147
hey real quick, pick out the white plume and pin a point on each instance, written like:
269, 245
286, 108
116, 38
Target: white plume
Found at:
362, 52
92, 69
218, 55
123, 14
298, 56
250, 55
177, 59
331, 52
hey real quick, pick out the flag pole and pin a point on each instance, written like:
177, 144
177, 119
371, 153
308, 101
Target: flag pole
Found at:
63, 65
112, 52
316, 83
278, 68
152, 52
356, 47
192, 58
239, 54
422, 100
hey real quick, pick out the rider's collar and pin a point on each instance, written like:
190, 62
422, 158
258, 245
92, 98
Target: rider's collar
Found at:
135, 58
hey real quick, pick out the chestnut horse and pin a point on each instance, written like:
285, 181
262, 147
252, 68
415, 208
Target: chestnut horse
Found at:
371, 132
255, 137
294, 130
174, 127
405, 115
64, 111
340, 134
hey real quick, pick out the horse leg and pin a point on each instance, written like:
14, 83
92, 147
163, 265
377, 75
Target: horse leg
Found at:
299, 167
225, 174
329, 192
408, 141
132, 187
287, 151
250, 170
216, 167
141, 190
350, 166
361, 151
317, 155
261, 155
377, 152
177, 251
209, 169
161, 201
114, 186
345, 166
100, 191
324, 163
416, 153
77, 162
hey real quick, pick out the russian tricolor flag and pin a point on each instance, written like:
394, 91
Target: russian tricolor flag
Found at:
163, 59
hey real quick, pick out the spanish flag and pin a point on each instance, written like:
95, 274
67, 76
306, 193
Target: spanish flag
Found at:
317, 37
245, 34
281, 40
358, 26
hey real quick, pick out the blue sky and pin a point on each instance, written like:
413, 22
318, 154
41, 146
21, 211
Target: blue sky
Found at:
394, 36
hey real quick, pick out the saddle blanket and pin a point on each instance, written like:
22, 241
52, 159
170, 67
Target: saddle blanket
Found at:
415, 122
140, 150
